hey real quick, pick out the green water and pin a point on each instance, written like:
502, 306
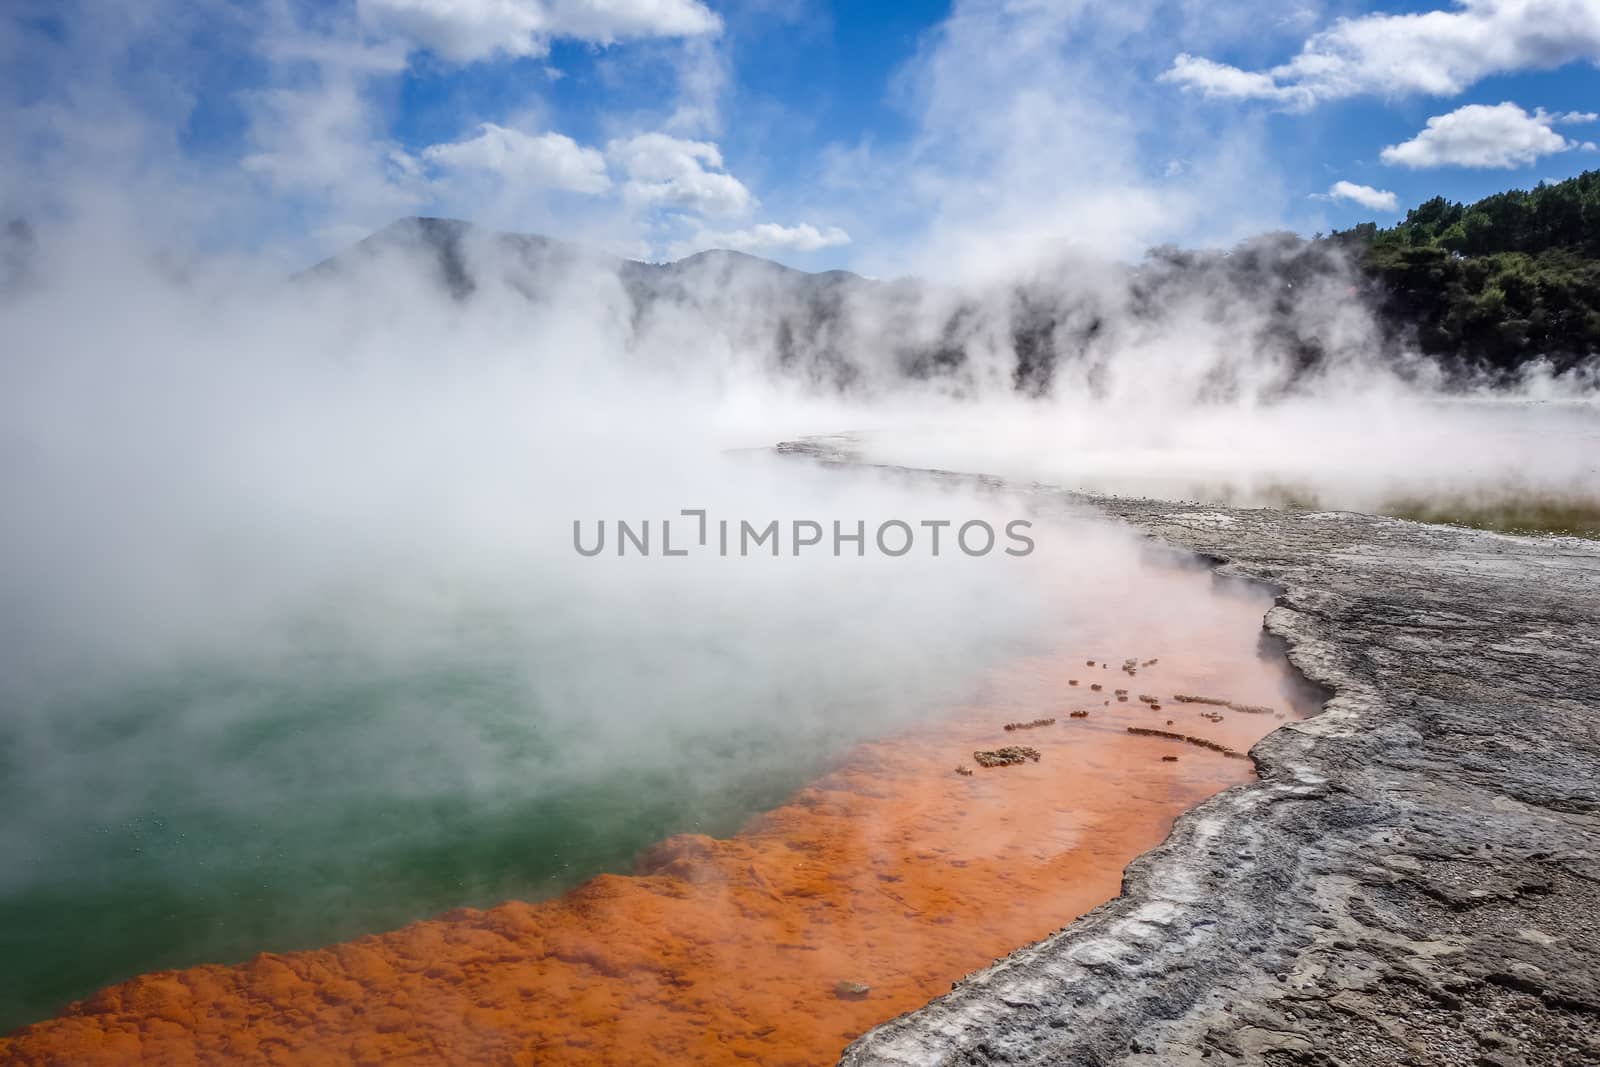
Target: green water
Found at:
214, 811
171, 889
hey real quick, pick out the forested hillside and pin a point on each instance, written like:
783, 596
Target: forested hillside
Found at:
1490, 286
1510, 278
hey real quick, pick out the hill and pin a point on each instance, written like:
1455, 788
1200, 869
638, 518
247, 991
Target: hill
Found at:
1497, 283
1252, 319
1484, 289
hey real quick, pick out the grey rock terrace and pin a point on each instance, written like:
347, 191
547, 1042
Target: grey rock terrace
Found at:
1415, 879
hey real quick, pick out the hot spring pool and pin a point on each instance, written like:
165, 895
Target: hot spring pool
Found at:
325, 794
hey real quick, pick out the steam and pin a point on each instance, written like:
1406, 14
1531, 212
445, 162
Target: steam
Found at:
296, 639
376, 465
287, 564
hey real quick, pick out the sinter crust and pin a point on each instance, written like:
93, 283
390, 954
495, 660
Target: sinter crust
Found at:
1415, 879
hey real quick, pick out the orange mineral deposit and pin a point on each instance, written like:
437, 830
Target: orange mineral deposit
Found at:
864, 896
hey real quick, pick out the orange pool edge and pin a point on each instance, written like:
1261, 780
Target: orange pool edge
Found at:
866, 895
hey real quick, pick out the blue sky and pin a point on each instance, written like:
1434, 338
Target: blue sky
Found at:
881, 137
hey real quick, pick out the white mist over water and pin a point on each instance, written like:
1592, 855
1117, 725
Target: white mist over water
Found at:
1405, 452
230, 468
293, 641
297, 644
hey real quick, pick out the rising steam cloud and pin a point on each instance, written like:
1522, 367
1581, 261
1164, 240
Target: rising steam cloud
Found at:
287, 544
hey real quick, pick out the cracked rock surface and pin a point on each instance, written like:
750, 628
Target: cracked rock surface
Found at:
1415, 878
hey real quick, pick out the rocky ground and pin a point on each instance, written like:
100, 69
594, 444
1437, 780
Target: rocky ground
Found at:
1415, 879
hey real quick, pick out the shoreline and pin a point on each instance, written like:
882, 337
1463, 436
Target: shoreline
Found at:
894, 873
1412, 878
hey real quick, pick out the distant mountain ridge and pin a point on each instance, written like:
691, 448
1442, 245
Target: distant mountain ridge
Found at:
446, 240
1261, 318
839, 330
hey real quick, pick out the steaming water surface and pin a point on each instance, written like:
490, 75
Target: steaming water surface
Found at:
1505, 464
409, 739
295, 645
894, 870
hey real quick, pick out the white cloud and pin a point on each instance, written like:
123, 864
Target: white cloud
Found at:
605, 21
768, 236
672, 172
1436, 53
702, 70
548, 160
1033, 122
1481, 135
322, 143
468, 30
1218, 79
1365, 195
